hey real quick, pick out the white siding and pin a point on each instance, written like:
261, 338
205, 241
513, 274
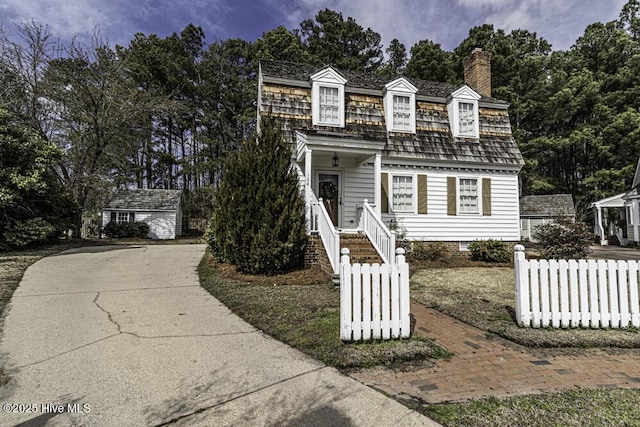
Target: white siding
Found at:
503, 223
162, 225
357, 185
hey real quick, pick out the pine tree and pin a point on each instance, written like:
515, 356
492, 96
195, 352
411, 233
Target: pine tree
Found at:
258, 223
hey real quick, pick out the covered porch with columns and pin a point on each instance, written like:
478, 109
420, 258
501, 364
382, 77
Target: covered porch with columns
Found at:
343, 171
609, 219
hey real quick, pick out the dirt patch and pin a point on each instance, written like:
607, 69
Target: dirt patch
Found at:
484, 298
302, 277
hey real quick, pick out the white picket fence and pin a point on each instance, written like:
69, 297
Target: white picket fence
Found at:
374, 299
576, 293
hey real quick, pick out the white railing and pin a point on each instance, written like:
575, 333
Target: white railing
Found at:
374, 299
382, 239
576, 293
320, 222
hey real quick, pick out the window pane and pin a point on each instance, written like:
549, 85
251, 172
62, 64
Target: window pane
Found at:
467, 122
123, 217
468, 195
329, 107
401, 112
402, 193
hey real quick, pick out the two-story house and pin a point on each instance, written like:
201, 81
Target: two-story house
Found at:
435, 161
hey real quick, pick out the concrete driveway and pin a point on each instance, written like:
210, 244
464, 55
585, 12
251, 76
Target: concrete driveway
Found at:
613, 252
125, 336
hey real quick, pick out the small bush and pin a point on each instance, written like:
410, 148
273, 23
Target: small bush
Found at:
428, 251
24, 233
564, 239
490, 251
127, 229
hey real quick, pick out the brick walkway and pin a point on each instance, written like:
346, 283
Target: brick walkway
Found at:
485, 367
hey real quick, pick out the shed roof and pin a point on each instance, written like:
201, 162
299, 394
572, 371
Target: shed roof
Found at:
145, 200
547, 205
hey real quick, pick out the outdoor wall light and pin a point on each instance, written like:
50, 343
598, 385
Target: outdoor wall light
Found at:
335, 161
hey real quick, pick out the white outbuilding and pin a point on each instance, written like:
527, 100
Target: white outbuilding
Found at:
160, 209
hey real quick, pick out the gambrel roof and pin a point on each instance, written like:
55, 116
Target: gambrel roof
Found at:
286, 94
145, 200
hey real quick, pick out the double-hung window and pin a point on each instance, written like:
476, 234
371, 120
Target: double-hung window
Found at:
468, 195
329, 105
402, 190
401, 112
400, 106
327, 98
464, 113
466, 117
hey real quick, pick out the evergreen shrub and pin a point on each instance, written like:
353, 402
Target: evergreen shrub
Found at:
490, 251
137, 229
258, 221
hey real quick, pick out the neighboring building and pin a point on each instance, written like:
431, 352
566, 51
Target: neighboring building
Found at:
436, 161
538, 210
617, 218
610, 220
160, 209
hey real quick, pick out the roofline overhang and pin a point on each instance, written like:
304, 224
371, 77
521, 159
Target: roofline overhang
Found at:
338, 144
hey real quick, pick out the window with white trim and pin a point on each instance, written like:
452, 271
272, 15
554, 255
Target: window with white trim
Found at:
327, 98
463, 113
401, 112
402, 191
466, 119
124, 217
468, 196
400, 106
329, 105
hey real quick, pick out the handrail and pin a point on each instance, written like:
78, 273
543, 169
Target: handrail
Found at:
320, 222
382, 239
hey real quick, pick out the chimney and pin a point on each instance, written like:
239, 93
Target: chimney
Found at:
477, 72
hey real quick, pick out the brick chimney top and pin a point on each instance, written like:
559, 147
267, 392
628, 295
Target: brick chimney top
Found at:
477, 72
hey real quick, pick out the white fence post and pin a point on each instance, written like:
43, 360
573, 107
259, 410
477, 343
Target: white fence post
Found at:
522, 298
405, 306
346, 317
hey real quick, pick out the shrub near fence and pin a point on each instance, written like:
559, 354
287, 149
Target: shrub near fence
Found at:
576, 293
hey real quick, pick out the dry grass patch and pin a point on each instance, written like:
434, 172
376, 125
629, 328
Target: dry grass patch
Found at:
484, 297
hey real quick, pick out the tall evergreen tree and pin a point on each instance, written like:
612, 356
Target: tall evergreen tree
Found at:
258, 222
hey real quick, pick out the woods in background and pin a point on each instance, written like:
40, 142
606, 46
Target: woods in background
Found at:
166, 112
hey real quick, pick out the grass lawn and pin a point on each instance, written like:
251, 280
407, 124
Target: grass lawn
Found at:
610, 407
484, 297
302, 309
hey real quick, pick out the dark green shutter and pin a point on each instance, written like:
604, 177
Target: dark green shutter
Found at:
113, 217
486, 196
451, 196
384, 183
422, 194
132, 216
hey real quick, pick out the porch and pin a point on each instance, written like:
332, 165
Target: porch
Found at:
610, 220
339, 174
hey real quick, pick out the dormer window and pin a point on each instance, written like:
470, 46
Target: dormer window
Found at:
463, 113
401, 112
400, 106
327, 97
329, 105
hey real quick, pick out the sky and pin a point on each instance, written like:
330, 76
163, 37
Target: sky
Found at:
446, 22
